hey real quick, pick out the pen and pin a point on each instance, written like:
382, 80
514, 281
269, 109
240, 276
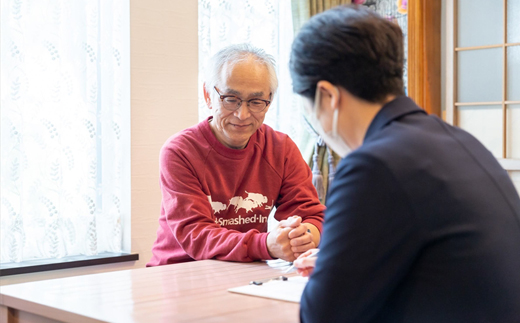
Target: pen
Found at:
313, 254
260, 282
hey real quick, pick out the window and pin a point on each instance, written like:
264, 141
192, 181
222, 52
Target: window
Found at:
483, 86
267, 25
65, 137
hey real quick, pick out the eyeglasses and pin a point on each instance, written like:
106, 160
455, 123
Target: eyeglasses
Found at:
233, 103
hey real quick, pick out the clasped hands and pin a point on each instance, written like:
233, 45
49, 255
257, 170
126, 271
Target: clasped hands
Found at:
291, 238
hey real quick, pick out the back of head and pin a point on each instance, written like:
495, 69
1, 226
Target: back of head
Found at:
238, 53
352, 47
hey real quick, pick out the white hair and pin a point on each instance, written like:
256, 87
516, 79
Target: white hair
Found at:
238, 53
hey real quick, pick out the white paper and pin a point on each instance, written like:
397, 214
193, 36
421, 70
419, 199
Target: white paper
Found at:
290, 290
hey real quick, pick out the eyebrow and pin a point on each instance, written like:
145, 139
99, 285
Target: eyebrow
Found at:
234, 92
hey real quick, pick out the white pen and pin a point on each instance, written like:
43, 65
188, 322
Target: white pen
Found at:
313, 253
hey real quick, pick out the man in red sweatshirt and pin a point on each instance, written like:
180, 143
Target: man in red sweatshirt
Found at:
221, 178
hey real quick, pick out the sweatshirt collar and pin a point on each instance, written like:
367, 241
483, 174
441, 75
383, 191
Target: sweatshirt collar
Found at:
221, 148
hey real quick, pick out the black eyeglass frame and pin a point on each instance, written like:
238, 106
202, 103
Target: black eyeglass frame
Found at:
239, 104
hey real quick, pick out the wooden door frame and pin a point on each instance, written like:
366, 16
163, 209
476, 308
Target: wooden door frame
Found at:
424, 54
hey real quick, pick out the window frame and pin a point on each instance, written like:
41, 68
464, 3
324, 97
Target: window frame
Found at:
40, 265
452, 104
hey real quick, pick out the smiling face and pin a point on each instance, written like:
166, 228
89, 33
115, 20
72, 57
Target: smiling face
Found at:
247, 80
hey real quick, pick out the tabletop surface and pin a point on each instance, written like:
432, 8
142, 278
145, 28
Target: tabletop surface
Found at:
187, 292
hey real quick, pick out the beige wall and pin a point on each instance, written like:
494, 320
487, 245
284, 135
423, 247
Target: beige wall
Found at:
164, 65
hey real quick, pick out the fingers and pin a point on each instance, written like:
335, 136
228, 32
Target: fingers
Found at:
305, 272
305, 262
283, 236
291, 222
284, 245
305, 265
302, 243
302, 248
292, 239
309, 252
281, 233
298, 231
278, 244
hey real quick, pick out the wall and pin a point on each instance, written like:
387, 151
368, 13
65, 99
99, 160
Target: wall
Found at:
164, 67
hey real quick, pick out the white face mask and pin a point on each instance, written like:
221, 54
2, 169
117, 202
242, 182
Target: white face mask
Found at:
331, 138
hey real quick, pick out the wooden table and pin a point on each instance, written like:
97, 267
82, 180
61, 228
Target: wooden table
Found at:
187, 292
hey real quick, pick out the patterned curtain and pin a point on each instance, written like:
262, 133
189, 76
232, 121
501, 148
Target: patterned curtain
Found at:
302, 10
64, 128
396, 11
265, 24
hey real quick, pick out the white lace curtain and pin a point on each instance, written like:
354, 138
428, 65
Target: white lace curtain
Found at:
265, 24
64, 128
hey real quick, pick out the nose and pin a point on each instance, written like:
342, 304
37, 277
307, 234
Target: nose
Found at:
242, 112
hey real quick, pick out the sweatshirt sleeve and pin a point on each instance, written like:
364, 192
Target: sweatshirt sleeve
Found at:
297, 195
190, 219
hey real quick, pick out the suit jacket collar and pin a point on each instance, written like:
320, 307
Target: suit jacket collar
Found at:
394, 109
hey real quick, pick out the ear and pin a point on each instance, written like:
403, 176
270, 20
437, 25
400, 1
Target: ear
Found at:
329, 95
207, 96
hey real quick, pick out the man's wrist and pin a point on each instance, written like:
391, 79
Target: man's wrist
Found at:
264, 251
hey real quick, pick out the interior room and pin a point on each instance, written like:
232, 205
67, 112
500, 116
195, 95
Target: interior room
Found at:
92, 90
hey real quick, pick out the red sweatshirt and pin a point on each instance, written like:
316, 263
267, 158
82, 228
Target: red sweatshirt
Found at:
216, 200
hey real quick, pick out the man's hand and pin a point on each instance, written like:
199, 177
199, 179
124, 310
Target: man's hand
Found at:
301, 240
278, 241
303, 237
306, 263
292, 236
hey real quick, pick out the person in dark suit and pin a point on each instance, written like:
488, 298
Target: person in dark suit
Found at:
422, 223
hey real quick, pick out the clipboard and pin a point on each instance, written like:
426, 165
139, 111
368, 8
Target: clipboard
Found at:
289, 290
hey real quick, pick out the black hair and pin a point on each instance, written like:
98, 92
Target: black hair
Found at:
352, 47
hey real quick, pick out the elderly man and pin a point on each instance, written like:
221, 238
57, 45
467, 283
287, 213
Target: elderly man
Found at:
221, 178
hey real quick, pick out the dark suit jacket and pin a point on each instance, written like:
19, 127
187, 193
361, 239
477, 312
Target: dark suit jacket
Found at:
422, 225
